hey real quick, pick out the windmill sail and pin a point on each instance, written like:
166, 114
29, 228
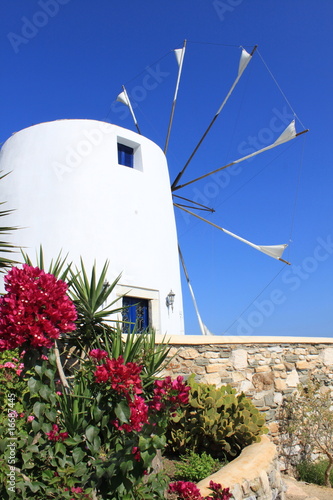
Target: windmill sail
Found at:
179, 53
124, 99
203, 328
287, 135
244, 61
274, 251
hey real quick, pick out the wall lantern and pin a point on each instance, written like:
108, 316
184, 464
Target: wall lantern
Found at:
170, 299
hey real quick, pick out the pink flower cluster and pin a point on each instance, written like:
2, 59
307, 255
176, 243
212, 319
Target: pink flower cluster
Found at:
17, 367
55, 435
185, 490
77, 490
189, 491
171, 393
123, 377
35, 309
138, 415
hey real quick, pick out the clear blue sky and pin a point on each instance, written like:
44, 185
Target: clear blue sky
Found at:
69, 58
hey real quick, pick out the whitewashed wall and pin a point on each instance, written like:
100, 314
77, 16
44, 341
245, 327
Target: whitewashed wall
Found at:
70, 194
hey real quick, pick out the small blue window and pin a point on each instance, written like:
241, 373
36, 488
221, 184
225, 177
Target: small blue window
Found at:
135, 314
125, 155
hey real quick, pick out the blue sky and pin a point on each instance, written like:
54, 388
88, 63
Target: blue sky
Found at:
69, 59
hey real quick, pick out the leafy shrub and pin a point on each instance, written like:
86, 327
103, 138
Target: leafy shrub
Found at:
195, 467
307, 420
313, 472
217, 421
89, 432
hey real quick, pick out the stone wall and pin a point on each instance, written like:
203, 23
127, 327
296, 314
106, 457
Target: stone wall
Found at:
266, 369
254, 475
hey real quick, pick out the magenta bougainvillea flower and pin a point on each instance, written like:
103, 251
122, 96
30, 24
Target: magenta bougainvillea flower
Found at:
219, 493
138, 416
98, 354
55, 435
185, 490
170, 393
123, 377
35, 310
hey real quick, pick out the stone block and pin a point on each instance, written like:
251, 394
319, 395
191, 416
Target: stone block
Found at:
212, 378
279, 366
261, 369
199, 370
188, 353
245, 386
292, 379
278, 398
289, 366
327, 356
173, 351
265, 485
273, 428
216, 368
202, 361
269, 399
292, 358
210, 355
304, 365
225, 381
238, 376
263, 381
239, 358
280, 384
237, 492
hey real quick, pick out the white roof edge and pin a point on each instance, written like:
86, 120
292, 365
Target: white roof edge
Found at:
221, 339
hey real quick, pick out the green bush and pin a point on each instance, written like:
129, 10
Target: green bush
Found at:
195, 467
217, 421
313, 472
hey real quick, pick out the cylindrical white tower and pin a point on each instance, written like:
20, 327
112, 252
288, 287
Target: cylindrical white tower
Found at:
102, 192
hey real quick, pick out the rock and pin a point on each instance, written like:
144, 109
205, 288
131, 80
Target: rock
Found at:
239, 358
292, 379
263, 381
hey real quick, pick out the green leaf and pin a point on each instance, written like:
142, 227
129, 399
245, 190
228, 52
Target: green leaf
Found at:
97, 413
91, 433
122, 412
51, 415
60, 448
34, 486
78, 454
35, 426
159, 441
40, 369
38, 409
49, 374
45, 392
34, 385
73, 441
33, 448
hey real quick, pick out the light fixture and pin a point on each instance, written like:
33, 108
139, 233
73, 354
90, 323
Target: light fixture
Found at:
170, 299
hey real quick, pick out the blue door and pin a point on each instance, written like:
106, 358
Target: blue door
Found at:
135, 314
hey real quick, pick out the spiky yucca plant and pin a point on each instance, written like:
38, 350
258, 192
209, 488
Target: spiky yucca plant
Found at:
5, 246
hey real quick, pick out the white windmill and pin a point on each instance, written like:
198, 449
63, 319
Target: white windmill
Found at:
102, 192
